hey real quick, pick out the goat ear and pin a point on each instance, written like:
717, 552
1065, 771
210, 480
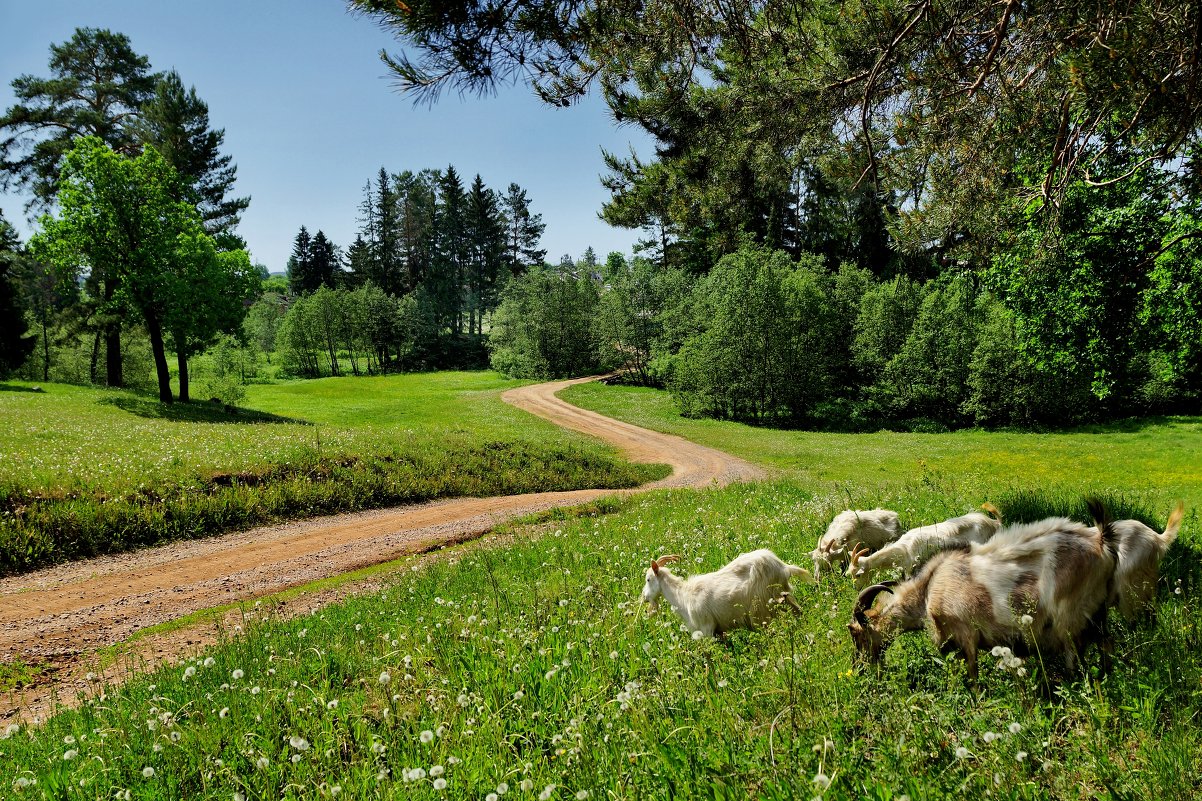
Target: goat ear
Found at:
655, 567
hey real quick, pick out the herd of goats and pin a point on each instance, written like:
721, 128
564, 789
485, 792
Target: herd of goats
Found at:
1043, 587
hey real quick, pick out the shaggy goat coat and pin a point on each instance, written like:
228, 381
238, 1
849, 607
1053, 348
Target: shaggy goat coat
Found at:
1044, 584
870, 529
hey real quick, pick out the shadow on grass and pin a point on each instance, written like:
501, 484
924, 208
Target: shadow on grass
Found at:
196, 412
15, 388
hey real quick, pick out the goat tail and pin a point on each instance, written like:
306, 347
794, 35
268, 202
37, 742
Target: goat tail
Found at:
800, 572
1173, 526
1105, 523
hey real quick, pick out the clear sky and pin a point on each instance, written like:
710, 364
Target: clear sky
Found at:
310, 115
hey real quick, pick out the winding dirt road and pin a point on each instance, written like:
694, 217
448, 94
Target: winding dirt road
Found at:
63, 615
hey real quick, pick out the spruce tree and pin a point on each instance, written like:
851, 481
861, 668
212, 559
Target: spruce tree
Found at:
445, 279
485, 232
523, 231
325, 262
300, 263
175, 122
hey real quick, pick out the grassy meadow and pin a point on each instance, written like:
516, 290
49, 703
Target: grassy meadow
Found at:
1157, 461
86, 471
527, 668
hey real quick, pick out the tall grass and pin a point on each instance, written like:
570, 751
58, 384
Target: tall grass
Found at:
534, 666
86, 471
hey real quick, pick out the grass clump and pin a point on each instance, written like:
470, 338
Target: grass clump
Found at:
86, 472
534, 666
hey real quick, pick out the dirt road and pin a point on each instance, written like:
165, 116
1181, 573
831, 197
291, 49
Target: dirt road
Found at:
62, 615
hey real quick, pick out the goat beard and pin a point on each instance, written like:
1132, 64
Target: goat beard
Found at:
652, 607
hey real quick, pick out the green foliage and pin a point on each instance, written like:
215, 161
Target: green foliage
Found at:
86, 472
542, 328
763, 353
118, 218
15, 346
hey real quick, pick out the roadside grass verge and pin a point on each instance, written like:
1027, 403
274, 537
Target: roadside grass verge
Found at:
533, 666
86, 472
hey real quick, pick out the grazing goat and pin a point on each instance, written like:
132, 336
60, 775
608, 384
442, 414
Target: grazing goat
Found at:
1140, 550
919, 544
739, 595
1042, 584
872, 529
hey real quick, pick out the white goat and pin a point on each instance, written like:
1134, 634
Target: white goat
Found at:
871, 529
743, 594
1043, 584
1140, 550
919, 544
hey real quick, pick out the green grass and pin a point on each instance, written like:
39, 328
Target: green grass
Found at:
86, 471
536, 662
1158, 461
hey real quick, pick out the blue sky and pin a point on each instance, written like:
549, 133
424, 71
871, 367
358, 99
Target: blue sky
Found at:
310, 115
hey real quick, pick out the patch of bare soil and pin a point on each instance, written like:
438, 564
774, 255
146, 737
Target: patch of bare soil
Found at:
56, 620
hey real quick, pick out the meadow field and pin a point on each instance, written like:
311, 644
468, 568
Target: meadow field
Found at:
87, 471
524, 666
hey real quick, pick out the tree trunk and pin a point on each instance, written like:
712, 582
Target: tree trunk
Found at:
112, 342
95, 357
181, 359
160, 358
45, 349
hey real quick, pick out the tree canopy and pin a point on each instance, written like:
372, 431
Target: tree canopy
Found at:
119, 216
955, 106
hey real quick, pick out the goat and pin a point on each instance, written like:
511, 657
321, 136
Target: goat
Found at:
1042, 584
872, 529
738, 595
1140, 550
919, 544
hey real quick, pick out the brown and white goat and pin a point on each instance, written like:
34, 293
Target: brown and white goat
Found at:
743, 594
1140, 550
919, 544
1040, 585
850, 529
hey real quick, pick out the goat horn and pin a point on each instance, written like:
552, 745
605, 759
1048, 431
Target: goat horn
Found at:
665, 560
993, 510
866, 598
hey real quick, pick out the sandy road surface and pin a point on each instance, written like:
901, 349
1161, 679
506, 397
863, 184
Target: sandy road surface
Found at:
65, 613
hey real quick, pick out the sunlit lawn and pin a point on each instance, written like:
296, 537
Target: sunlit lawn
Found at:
87, 471
1158, 460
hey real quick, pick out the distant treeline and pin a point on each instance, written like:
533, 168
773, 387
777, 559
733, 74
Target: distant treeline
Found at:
769, 339
417, 286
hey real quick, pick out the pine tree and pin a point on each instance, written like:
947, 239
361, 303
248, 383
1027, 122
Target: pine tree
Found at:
96, 87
